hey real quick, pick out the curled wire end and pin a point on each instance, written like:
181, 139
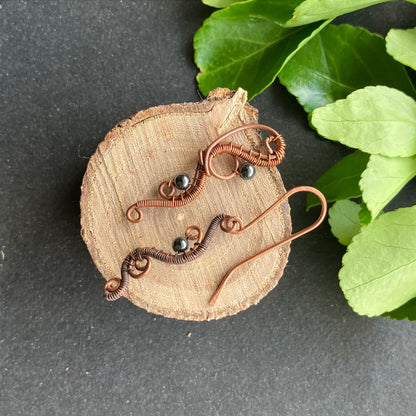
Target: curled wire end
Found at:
231, 225
194, 237
278, 140
171, 189
134, 217
137, 264
115, 288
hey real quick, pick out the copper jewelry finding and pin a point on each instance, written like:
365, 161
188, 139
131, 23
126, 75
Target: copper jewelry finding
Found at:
191, 190
132, 264
234, 225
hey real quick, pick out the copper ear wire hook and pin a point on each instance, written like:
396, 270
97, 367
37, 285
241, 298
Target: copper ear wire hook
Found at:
234, 225
204, 170
116, 287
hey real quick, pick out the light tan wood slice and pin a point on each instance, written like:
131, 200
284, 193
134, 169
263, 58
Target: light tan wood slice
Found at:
153, 146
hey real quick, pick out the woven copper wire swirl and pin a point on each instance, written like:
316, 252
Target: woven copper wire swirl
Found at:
251, 156
204, 169
116, 287
183, 198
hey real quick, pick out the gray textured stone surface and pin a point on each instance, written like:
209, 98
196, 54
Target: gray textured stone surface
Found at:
69, 71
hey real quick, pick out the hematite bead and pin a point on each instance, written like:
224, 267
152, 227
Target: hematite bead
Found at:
182, 181
247, 171
180, 244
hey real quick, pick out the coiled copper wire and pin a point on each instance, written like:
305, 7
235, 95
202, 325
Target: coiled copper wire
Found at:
273, 158
204, 169
134, 213
116, 287
132, 264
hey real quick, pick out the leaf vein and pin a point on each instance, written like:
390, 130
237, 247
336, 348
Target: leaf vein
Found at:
259, 51
381, 276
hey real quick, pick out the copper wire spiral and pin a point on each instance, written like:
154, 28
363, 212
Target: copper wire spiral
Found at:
188, 195
116, 287
204, 169
132, 266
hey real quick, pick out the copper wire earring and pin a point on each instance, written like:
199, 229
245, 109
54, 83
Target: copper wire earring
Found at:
133, 266
234, 225
189, 190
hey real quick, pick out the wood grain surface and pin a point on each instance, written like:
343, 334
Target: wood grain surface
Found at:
153, 146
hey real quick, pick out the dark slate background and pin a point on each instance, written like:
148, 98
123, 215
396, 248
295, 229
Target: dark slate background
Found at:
69, 71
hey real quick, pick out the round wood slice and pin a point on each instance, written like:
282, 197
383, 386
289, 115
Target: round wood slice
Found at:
153, 146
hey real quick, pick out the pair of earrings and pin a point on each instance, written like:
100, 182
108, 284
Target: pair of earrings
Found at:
137, 264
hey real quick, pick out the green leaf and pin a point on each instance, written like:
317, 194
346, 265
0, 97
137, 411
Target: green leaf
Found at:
344, 222
341, 181
314, 10
384, 178
338, 61
364, 215
377, 120
220, 3
407, 311
379, 268
401, 44
246, 45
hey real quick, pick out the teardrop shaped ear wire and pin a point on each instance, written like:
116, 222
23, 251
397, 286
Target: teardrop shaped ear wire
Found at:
279, 153
234, 225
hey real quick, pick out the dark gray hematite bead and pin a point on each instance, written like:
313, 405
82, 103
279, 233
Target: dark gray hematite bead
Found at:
247, 171
180, 244
182, 181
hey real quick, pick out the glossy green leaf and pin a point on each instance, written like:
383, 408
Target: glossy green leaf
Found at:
378, 120
220, 3
341, 181
344, 222
246, 45
338, 61
379, 268
401, 44
383, 179
314, 10
407, 311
